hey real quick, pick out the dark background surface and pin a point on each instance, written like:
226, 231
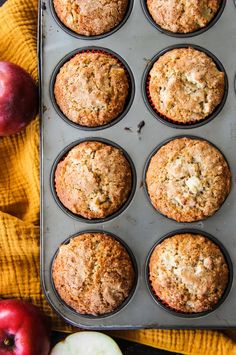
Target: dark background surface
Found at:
127, 348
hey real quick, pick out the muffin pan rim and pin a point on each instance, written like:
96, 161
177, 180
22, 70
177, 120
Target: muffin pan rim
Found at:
132, 258
227, 259
147, 163
94, 37
63, 154
180, 125
134, 41
129, 100
180, 35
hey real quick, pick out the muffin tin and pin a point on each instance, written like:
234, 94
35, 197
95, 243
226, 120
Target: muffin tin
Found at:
139, 225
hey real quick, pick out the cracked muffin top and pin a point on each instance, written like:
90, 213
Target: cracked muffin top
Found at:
185, 85
93, 274
91, 89
188, 179
183, 16
94, 180
91, 17
184, 273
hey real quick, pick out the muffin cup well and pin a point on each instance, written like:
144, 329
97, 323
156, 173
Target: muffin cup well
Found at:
165, 306
178, 34
166, 120
93, 49
126, 301
154, 151
62, 155
78, 36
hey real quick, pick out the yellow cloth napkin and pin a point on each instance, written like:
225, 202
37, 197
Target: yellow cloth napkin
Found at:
19, 205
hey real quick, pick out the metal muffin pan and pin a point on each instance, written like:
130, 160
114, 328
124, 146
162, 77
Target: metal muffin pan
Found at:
139, 225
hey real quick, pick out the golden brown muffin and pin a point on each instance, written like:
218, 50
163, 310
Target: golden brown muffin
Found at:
184, 273
91, 89
94, 180
93, 274
91, 17
185, 85
188, 179
183, 16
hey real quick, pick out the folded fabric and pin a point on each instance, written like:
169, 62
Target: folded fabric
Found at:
19, 205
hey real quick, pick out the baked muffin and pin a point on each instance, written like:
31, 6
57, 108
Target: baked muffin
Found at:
184, 273
92, 88
188, 179
181, 16
94, 180
185, 85
91, 17
93, 274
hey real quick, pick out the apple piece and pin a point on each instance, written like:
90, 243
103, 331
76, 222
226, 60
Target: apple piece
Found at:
23, 329
18, 98
87, 343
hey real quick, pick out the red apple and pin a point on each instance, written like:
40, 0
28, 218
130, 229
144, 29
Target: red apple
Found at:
23, 329
18, 98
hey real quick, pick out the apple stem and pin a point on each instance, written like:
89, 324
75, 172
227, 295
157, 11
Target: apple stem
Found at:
8, 342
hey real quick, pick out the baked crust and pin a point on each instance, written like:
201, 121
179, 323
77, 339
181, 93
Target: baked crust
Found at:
91, 89
188, 179
93, 274
91, 17
183, 16
184, 273
185, 85
94, 180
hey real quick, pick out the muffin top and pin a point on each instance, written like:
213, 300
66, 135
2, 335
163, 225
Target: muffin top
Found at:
185, 85
183, 16
94, 180
91, 17
93, 274
92, 88
184, 273
188, 179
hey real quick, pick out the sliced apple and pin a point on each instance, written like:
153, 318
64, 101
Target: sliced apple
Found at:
87, 343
